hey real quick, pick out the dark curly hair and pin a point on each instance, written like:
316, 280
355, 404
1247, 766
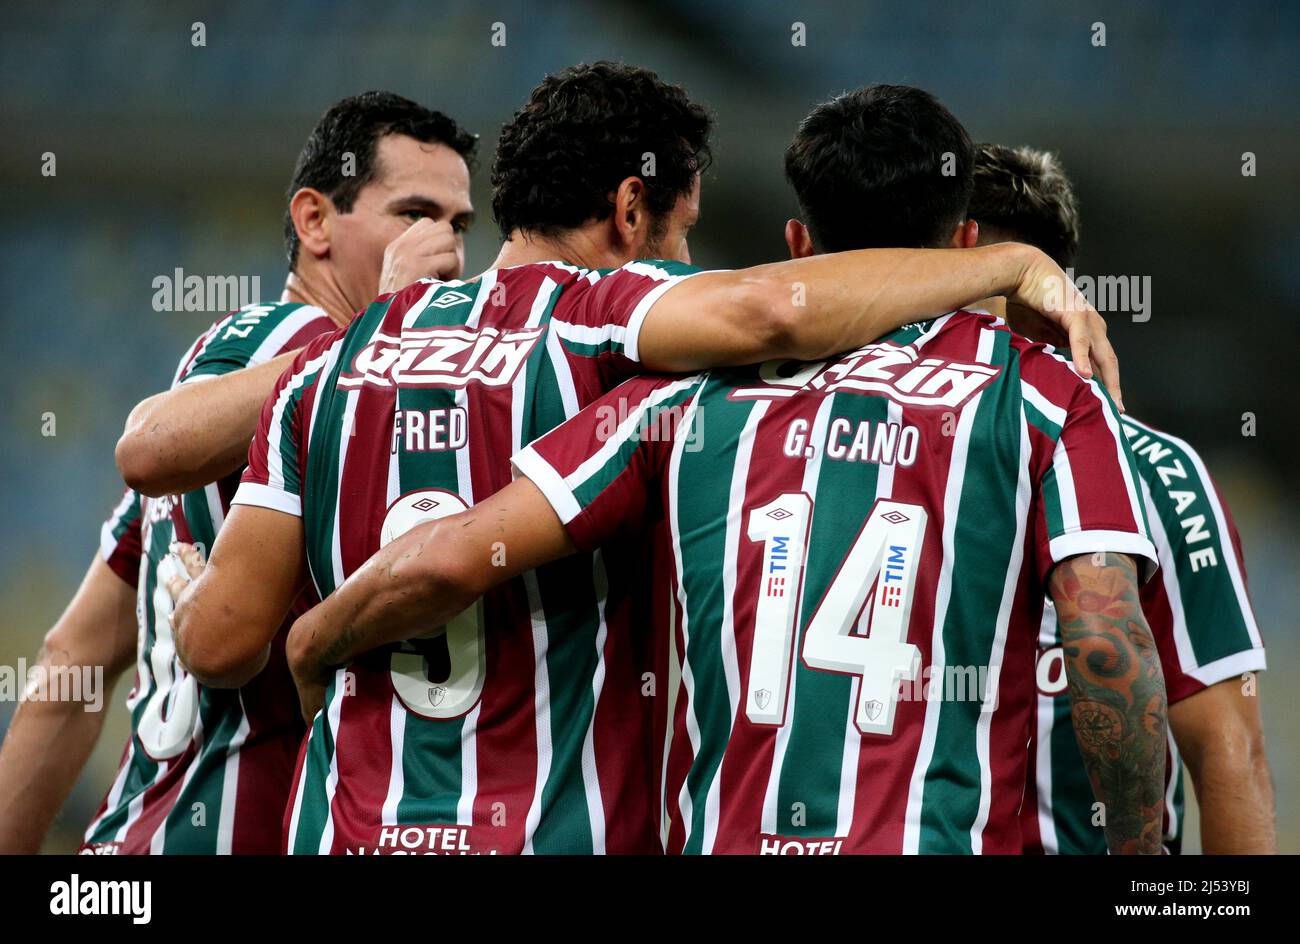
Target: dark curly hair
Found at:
1026, 193
355, 125
583, 131
885, 165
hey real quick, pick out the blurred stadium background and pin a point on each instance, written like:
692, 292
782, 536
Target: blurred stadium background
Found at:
172, 156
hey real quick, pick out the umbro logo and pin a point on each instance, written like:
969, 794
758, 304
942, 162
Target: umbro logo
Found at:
447, 299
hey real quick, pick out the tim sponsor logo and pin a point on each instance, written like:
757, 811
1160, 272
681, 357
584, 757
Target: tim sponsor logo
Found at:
897, 371
75, 897
442, 357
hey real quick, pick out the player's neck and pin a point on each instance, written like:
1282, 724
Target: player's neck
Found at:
312, 287
577, 247
995, 305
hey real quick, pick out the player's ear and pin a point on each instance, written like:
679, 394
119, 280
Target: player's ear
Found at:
631, 217
966, 235
798, 240
311, 212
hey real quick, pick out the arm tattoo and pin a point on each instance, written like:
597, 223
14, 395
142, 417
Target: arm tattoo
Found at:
1117, 695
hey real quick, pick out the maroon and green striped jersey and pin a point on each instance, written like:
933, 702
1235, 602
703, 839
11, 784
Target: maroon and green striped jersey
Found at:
1202, 623
205, 770
857, 554
119, 538
521, 726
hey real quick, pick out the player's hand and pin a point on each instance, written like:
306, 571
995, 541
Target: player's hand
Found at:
1058, 313
427, 249
180, 567
310, 677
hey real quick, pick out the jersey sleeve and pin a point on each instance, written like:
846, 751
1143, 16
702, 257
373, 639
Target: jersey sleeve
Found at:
252, 336
598, 469
119, 538
601, 315
1199, 608
273, 476
1087, 492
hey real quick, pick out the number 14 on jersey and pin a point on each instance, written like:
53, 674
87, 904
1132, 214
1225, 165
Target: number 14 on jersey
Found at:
885, 554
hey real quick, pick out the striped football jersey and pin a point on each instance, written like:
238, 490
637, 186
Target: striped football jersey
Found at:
857, 553
205, 770
521, 726
119, 538
1204, 629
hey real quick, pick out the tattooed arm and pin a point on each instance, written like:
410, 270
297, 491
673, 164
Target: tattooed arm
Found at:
1117, 695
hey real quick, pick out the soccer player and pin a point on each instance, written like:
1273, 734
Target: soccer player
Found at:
1198, 610
838, 530
523, 725
208, 771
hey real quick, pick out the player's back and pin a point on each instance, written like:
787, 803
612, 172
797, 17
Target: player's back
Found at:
858, 550
518, 727
205, 769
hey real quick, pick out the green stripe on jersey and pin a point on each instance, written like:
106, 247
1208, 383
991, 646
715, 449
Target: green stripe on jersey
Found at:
983, 538
822, 702
702, 496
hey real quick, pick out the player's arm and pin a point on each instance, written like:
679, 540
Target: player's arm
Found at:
195, 433
1117, 694
1220, 736
226, 618
426, 576
811, 308
49, 741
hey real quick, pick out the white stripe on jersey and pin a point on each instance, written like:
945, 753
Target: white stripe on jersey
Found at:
632, 422
282, 333
542, 708
332, 779
107, 542
114, 792
942, 597
852, 736
275, 434
157, 842
590, 773
1045, 406
674, 684
1014, 566
230, 783
811, 474
688, 678
727, 632
1046, 708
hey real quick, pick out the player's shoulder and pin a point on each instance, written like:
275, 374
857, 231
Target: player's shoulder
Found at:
250, 336
1167, 463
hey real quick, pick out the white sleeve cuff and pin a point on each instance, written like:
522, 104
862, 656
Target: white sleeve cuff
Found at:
632, 340
264, 496
529, 463
1119, 542
1239, 663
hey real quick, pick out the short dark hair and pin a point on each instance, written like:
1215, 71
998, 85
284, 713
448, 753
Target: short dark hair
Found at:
1026, 192
355, 125
584, 130
885, 165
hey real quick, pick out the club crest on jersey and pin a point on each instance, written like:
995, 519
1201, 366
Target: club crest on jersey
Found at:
897, 371
442, 357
